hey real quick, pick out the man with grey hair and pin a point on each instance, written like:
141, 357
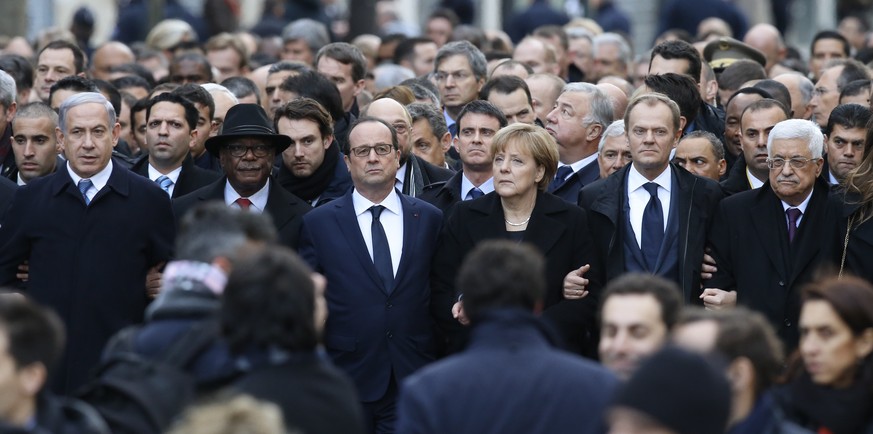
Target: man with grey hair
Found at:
302, 38
224, 99
430, 138
460, 71
613, 152
612, 55
34, 143
8, 106
835, 75
768, 242
83, 263
701, 153
577, 121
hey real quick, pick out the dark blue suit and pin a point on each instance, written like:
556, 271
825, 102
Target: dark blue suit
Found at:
509, 380
371, 333
569, 190
89, 263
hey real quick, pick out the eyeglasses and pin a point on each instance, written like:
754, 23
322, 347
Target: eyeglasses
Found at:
259, 151
364, 151
796, 163
456, 76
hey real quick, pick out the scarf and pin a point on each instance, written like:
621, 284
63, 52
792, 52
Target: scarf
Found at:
310, 188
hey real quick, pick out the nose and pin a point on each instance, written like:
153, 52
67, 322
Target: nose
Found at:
298, 150
29, 149
762, 141
163, 130
552, 117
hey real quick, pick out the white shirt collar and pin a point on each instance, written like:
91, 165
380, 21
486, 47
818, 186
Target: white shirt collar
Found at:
831, 179
802, 206
20, 180
259, 199
466, 186
391, 203
636, 180
753, 180
174, 175
401, 175
577, 166
99, 179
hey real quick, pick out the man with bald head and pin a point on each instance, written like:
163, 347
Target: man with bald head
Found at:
544, 91
108, 56
617, 97
414, 173
800, 88
537, 54
767, 39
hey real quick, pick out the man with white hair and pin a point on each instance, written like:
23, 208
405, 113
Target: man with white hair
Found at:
8, 106
613, 152
768, 242
612, 56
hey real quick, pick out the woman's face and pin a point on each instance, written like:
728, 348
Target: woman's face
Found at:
829, 349
516, 174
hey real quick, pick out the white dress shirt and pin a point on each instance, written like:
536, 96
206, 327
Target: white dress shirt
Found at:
98, 181
391, 219
174, 176
259, 199
753, 181
638, 197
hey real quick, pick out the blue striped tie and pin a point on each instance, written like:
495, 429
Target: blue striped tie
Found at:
85, 185
165, 183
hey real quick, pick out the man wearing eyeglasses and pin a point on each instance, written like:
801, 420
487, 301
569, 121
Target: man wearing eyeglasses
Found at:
835, 75
460, 71
246, 149
374, 246
768, 242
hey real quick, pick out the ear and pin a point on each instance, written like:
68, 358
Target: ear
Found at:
194, 134
819, 164
456, 143
864, 343
32, 377
741, 374
594, 131
722, 167
116, 134
446, 141
10, 112
682, 123
327, 141
348, 162
60, 136
359, 86
541, 172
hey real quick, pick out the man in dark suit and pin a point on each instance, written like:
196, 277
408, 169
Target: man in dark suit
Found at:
750, 171
511, 355
652, 216
771, 240
246, 148
415, 173
379, 328
83, 264
581, 114
845, 141
7, 113
477, 123
171, 128
34, 143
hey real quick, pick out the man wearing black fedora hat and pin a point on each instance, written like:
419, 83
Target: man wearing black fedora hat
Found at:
246, 149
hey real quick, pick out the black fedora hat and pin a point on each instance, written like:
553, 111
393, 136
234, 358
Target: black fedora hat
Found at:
247, 120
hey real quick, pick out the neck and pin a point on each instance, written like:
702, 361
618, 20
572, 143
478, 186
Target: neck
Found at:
477, 177
517, 209
23, 413
651, 173
761, 176
375, 194
247, 190
454, 111
164, 167
743, 403
572, 154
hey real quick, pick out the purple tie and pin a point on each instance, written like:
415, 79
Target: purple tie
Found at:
793, 215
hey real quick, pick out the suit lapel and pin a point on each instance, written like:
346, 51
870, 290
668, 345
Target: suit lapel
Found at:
487, 219
347, 222
809, 233
771, 228
544, 230
411, 221
215, 191
278, 206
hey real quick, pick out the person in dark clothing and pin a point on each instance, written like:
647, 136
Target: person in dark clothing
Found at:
539, 13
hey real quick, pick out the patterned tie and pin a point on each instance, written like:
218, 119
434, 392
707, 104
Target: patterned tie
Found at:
560, 178
244, 204
793, 216
85, 185
165, 183
381, 250
653, 227
475, 193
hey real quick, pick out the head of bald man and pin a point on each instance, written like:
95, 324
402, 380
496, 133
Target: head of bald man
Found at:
618, 98
767, 39
108, 56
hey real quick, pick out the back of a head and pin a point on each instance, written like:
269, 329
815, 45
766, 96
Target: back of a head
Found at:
34, 333
777, 91
740, 72
212, 230
501, 274
242, 87
852, 70
681, 89
678, 49
313, 85
239, 414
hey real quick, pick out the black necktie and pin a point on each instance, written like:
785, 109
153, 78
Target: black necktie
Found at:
381, 251
560, 178
653, 227
474, 193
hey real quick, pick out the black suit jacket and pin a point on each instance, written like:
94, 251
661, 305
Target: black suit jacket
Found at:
557, 229
751, 250
89, 263
420, 173
698, 198
569, 191
7, 190
737, 180
444, 194
285, 209
190, 178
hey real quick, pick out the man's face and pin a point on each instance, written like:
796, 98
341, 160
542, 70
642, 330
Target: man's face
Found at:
428, 146
108, 57
697, 336
800, 110
652, 136
543, 95
614, 155
306, 153
422, 61
696, 156
456, 82
204, 127
845, 150
756, 126
392, 112
532, 52
660, 65
168, 135
580, 52
439, 30
475, 132
223, 103
823, 51
631, 329
52, 66
188, 71
608, 62
733, 114
826, 95
373, 172
248, 173
791, 184
35, 146
514, 105
139, 128
89, 138
297, 50
273, 99
124, 122
227, 61
341, 75
565, 121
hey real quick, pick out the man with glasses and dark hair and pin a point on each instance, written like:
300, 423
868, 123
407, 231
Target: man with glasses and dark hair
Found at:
379, 328
247, 147
460, 71
768, 242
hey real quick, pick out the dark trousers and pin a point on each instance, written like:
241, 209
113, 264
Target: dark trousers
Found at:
380, 416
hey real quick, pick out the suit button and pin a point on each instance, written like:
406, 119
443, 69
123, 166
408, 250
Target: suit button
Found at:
787, 322
781, 283
389, 305
389, 334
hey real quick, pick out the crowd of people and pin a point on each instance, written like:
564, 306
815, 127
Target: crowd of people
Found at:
459, 232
